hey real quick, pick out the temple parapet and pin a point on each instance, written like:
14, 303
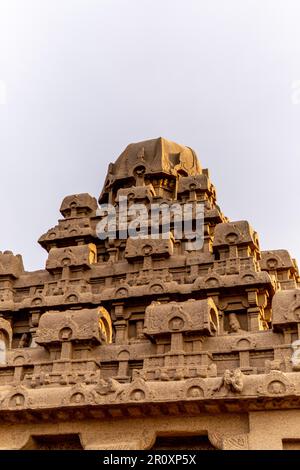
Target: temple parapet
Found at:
11, 265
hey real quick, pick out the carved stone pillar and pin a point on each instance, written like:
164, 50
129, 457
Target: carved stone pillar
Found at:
253, 319
120, 326
177, 343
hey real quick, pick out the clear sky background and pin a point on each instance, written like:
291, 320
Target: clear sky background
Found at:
80, 79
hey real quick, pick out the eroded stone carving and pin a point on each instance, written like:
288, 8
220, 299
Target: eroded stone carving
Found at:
276, 384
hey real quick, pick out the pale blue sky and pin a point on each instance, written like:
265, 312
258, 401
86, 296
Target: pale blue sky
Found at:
84, 78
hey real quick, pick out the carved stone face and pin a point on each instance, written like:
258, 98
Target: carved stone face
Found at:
195, 392
77, 397
234, 324
65, 334
147, 250
17, 400
138, 395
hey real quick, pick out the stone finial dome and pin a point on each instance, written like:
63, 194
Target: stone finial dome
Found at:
152, 158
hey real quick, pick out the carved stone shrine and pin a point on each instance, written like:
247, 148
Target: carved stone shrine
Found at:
150, 343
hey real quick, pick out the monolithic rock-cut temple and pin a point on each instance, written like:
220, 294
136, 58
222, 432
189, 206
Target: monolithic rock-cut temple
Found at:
150, 343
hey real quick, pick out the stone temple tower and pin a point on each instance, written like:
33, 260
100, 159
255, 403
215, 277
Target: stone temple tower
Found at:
150, 343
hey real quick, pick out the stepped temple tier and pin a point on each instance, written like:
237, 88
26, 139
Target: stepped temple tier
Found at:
150, 343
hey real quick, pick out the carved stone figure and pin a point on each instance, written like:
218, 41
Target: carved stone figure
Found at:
234, 324
234, 380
